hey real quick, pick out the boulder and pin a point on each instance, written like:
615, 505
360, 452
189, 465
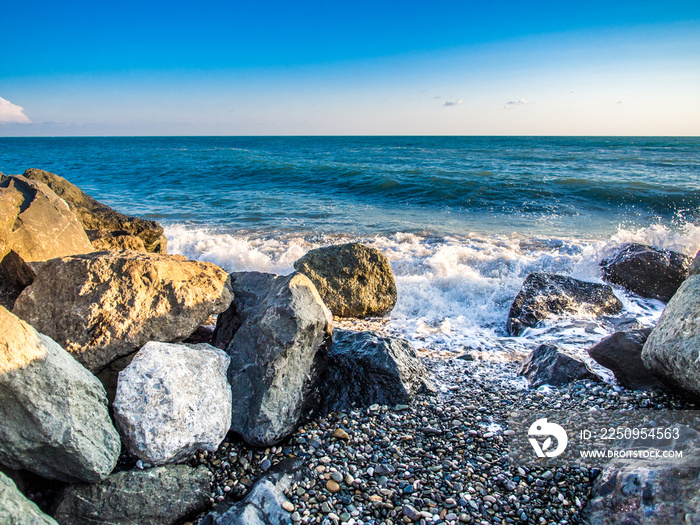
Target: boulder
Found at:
115, 240
173, 400
365, 368
45, 227
94, 215
695, 266
621, 352
278, 352
54, 412
671, 352
156, 496
646, 271
546, 365
544, 294
106, 305
10, 201
353, 280
263, 503
15, 276
638, 492
15, 509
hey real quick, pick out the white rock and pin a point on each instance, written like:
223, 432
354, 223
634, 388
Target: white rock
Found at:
172, 400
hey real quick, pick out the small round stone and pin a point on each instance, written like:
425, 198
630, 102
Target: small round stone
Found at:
332, 486
288, 506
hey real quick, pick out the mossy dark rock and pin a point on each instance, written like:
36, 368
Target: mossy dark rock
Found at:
352, 279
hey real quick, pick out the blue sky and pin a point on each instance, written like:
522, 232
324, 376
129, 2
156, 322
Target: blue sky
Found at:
308, 68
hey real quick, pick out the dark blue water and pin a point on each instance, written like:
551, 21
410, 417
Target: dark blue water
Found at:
379, 185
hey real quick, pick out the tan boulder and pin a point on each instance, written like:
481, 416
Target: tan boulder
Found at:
115, 240
45, 227
105, 305
94, 215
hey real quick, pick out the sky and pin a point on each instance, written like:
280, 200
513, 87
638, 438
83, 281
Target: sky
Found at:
129, 68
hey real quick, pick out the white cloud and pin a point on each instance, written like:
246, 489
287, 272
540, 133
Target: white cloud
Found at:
11, 113
513, 103
455, 103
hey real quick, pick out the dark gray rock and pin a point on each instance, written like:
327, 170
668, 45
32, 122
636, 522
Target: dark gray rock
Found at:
15, 276
671, 352
695, 266
544, 294
621, 352
15, 509
95, 216
635, 492
53, 411
263, 503
546, 365
353, 280
365, 368
281, 331
156, 496
646, 271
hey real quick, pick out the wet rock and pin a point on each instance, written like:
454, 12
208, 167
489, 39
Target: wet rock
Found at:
277, 352
546, 365
44, 226
105, 305
646, 271
671, 352
15, 509
621, 352
366, 368
353, 280
173, 400
544, 294
695, 266
156, 496
54, 412
93, 215
266, 503
647, 493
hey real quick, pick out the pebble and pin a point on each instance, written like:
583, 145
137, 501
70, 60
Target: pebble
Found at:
332, 486
288, 506
341, 434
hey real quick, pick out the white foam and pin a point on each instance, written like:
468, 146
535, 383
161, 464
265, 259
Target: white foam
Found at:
455, 292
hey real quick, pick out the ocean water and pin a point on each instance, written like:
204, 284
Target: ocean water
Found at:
463, 220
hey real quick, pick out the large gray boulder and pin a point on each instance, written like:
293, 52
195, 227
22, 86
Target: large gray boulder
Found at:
646, 271
156, 496
544, 294
173, 400
365, 368
353, 280
44, 226
621, 352
105, 305
278, 351
53, 411
15, 509
672, 350
97, 218
546, 365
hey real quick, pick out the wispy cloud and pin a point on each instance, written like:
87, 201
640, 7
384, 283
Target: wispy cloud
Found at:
453, 103
12, 113
513, 103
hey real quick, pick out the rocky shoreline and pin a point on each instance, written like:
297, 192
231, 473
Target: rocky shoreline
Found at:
122, 403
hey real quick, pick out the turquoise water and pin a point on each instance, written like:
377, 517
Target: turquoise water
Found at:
463, 220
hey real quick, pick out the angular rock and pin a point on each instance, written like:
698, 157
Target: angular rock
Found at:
278, 352
115, 240
621, 352
544, 294
54, 412
546, 365
10, 201
671, 352
645, 493
695, 266
105, 305
45, 226
94, 215
15, 276
15, 509
353, 280
365, 368
646, 271
173, 400
263, 504
156, 496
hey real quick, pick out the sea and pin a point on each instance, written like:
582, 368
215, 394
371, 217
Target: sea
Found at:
462, 220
